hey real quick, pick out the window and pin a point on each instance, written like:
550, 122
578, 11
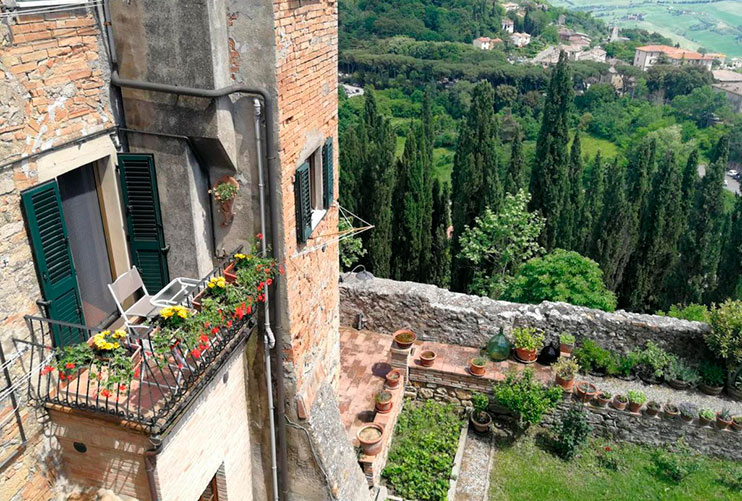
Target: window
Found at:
313, 188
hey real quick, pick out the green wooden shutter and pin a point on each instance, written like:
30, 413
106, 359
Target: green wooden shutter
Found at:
144, 219
328, 172
42, 206
302, 191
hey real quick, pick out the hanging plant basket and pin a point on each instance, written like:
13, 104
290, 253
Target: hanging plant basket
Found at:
224, 192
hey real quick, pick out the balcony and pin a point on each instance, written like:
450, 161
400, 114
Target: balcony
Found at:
163, 385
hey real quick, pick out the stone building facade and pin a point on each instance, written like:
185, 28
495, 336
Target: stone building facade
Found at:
68, 105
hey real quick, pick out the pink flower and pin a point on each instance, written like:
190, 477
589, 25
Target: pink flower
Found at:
259, 236
269, 281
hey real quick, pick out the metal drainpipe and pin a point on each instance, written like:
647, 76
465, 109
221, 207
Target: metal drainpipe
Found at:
150, 463
271, 155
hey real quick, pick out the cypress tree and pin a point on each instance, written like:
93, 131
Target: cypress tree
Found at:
351, 170
574, 198
440, 252
475, 177
516, 173
592, 208
549, 176
730, 267
427, 229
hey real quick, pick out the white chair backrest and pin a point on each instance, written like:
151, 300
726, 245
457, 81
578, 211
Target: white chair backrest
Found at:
126, 285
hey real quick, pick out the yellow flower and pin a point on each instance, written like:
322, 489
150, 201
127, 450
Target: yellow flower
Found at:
119, 334
116, 345
212, 285
108, 346
183, 314
239, 256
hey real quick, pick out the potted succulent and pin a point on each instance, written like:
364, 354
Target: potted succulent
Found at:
681, 375
427, 358
565, 370
620, 402
724, 419
480, 419
477, 366
369, 436
712, 378
224, 191
404, 338
636, 400
527, 341
653, 408
671, 411
586, 391
383, 402
602, 398
688, 411
737, 423
705, 417
393, 378
566, 343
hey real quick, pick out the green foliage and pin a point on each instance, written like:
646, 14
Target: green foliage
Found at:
440, 253
593, 358
526, 397
566, 368
732, 478
499, 243
571, 433
672, 81
223, 192
480, 402
653, 360
636, 397
561, 276
725, 337
676, 462
707, 414
528, 338
693, 312
423, 450
712, 373
565, 338
681, 370
351, 248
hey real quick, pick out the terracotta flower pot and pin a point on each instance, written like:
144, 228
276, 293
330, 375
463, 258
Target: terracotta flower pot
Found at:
427, 358
671, 413
476, 368
635, 407
369, 436
404, 338
566, 348
702, 421
721, 423
602, 400
566, 384
226, 206
481, 427
229, 273
196, 301
393, 378
736, 425
586, 391
526, 356
383, 402
652, 411
619, 405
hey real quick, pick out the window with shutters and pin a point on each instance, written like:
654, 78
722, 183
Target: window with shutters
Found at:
313, 188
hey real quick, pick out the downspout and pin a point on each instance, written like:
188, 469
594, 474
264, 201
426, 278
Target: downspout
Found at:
278, 462
150, 464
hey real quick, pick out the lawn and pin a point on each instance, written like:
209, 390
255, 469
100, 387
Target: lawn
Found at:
442, 160
526, 471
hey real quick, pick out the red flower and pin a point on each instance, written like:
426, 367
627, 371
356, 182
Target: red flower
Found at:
47, 369
69, 365
269, 281
207, 324
122, 387
203, 347
196, 353
259, 236
229, 323
62, 376
214, 330
261, 285
136, 373
607, 448
249, 310
204, 338
105, 393
180, 365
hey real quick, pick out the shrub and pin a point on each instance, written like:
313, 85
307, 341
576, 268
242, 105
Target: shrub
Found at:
732, 479
624, 365
528, 338
725, 337
653, 360
636, 397
682, 370
571, 433
565, 338
480, 402
423, 450
676, 462
693, 312
566, 368
712, 373
593, 358
526, 397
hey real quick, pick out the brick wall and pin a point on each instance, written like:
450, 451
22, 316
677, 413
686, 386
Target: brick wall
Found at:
53, 90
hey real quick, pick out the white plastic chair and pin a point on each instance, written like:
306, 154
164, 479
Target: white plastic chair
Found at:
125, 287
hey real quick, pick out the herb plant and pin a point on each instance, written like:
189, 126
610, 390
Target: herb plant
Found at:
526, 397
528, 338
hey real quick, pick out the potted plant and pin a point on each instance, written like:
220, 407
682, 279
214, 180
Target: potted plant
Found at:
724, 419
620, 402
671, 411
681, 375
688, 411
383, 402
393, 378
737, 423
652, 363
734, 385
705, 417
527, 342
477, 366
565, 370
216, 288
712, 378
480, 419
653, 408
624, 365
224, 191
602, 398
566, 343
427, 358
724, 339
404, 338
636, 400
369, 436
586, 391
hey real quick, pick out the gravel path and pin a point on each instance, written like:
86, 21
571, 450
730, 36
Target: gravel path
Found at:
474, 476
663, 393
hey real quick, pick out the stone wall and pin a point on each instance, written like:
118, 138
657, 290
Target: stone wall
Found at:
439, 315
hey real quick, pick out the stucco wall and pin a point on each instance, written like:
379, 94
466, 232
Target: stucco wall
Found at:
439, 315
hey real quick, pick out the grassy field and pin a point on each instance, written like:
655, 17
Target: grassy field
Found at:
442, 160
715, 25
525, 471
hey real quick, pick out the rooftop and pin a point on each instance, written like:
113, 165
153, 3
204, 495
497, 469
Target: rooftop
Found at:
675, 52
724, 76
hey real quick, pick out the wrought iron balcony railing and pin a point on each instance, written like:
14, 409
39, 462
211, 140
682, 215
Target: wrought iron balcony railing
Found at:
163, 385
